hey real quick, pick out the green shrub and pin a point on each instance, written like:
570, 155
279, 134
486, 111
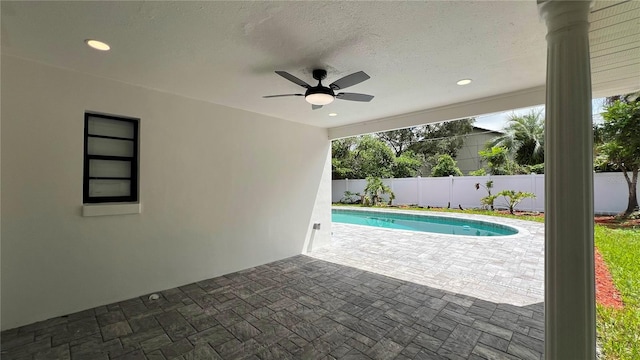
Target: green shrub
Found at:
488, 200
479, 172
445, 166
513, 198
350, 198
374, 190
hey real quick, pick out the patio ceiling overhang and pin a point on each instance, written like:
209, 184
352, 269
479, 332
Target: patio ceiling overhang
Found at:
415, 52
614, 44
416, 83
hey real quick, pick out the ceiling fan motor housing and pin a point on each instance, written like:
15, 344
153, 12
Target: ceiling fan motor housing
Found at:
319, 74
319, 94
319, 90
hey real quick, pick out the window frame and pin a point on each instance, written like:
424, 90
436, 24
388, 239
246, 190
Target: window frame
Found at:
133, 178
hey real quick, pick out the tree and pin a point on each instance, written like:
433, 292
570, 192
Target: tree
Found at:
407, 165
523, 138
342, 161
497, 159
445, 166
372, 157
618, 142
400, 140
375, 189
429, 140
360, 157
397, 153
441, 138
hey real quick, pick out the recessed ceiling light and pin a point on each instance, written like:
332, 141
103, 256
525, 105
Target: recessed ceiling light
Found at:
98, 45
464, 82
333, 114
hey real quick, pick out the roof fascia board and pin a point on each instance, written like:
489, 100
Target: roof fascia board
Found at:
504, 102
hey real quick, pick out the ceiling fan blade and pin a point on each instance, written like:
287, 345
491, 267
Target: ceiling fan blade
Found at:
354, 97
293, 79
349, 80
272, 96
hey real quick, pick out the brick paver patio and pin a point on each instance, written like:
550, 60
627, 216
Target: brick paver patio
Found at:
301, 307
507, 269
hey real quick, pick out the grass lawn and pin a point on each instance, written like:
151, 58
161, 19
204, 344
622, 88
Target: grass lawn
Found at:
618, 330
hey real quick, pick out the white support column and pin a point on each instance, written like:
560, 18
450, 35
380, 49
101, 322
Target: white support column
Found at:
569, 263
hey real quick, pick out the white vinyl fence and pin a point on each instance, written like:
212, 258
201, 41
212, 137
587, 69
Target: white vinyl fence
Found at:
610, 191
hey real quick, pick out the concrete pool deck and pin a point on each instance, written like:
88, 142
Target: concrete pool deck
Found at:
506, 269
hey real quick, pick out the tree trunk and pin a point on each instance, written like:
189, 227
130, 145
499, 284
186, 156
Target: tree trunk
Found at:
632, 182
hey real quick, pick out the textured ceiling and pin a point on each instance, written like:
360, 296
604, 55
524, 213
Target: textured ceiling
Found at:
226, 52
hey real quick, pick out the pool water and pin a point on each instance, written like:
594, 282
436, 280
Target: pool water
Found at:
424, 223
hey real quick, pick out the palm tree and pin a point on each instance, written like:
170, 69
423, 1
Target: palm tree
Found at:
375, 189
523, 138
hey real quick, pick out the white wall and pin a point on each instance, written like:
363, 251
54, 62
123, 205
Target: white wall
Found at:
205, 212
610, 191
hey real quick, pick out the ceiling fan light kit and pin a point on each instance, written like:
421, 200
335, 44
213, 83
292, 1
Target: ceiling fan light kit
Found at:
320, 95
319, 99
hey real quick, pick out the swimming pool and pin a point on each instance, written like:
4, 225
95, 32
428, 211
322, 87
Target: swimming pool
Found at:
424, 223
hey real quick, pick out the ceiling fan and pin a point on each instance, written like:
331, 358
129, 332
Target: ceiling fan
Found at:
320, 95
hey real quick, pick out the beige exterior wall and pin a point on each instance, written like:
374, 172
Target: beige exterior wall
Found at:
468, 158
